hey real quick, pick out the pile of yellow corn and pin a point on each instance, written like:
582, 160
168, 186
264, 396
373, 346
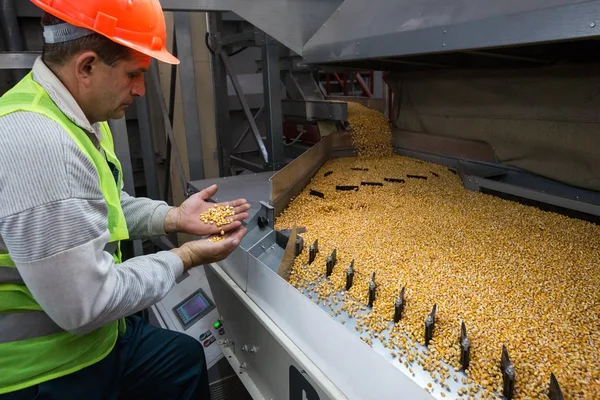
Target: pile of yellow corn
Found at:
518, 276
371, 131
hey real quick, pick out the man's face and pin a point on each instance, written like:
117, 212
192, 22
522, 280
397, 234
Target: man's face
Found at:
115, 87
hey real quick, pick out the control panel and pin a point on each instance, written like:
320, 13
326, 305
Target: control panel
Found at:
189, 308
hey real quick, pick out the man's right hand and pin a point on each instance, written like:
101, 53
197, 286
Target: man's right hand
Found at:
199, 252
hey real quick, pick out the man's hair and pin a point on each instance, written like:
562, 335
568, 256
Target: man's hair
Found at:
59, 53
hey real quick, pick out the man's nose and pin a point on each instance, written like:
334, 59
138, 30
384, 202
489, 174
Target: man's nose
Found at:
139, 87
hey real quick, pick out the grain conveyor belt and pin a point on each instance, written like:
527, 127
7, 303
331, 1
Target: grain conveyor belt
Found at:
516, 276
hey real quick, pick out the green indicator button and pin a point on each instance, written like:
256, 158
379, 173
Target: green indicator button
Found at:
217, 324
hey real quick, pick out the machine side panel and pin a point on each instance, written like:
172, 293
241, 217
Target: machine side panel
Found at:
167, 315
290, 181
236, 265
260, 356
343, 357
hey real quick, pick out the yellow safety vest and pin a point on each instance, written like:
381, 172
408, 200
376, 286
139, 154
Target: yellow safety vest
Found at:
33, 349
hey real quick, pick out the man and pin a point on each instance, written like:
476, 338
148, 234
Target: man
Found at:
66, 325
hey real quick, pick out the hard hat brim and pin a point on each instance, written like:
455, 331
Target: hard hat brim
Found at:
160, 55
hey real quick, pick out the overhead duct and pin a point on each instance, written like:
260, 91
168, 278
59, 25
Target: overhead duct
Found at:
379, 29
290, 22
334, 31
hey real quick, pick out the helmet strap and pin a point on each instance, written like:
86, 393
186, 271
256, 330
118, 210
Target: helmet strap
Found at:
64, 32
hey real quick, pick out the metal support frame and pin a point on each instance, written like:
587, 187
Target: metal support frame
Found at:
118, 128
390, 100
347, 82
155, 82
299, 83
221, 99
272, 103
169, 146
121, 142
12, 33
348, 78
16, 60
249, 117
363, 85
121, 139
249, 165
339, 81
188, 95
241, 139
238, 38
272, 152
378, 84
147, 144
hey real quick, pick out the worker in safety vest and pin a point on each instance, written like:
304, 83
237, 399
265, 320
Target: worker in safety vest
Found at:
66, 299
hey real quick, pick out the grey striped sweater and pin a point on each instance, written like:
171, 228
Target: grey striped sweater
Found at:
53, 222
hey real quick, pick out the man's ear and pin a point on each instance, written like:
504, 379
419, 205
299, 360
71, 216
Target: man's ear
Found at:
86, 65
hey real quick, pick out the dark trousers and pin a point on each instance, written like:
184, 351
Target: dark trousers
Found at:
146, 363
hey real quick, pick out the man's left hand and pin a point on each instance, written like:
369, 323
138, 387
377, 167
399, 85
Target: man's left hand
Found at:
186, 217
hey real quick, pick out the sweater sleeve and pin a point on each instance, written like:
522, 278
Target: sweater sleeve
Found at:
53, 222
145, 217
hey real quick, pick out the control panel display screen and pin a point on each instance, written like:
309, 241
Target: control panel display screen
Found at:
193, 308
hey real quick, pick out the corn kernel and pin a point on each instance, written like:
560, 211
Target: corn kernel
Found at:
218, 215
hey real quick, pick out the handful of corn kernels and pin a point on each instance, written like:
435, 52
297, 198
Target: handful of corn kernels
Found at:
219, 216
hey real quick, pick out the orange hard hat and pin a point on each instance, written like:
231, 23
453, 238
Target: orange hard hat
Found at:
137, 24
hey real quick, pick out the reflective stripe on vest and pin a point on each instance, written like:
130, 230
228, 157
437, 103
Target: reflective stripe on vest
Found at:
26, 325
33, 349
10, 274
